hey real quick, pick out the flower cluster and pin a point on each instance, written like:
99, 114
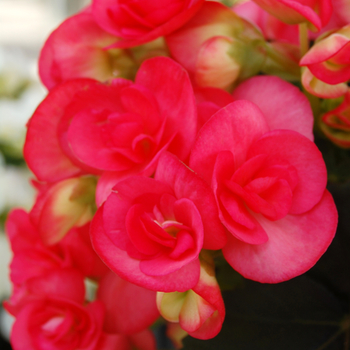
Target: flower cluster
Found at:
159, 151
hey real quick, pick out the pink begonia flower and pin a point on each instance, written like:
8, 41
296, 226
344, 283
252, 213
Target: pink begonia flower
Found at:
151, 231
34, 264
199, 311
58, 323
271, 27
336, 123
29, 250
328, 60
316, 13
138, 22
46, 154
33, 259
129, 308
62, 206
269, 181
214, 45
319, 88
121, 127
76, 50
38, 271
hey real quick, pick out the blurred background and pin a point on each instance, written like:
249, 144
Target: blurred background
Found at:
24, 27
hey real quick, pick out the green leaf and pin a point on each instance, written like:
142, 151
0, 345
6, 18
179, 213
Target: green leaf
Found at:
296, 315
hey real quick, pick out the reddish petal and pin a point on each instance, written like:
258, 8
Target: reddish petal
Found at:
143, 340
234, 128
283, 105
103, 13
295, 244
188, 243
75, 50
187, 184
42, 150
129, 269
129, 308
61, 283
232, 211
317, 13
173, 91
306, 159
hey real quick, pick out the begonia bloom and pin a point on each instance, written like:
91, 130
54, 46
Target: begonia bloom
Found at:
319, 88
151, 231
33, 259
121, 127
314, 12
138, 22
47, 155
217, 47
76, 50
269, 185
328, 60
199, 311
29, 250
336, 123
79, 48
272, 28
209, 100
57, 323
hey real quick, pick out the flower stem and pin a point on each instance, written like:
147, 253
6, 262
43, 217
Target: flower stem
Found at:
303, 39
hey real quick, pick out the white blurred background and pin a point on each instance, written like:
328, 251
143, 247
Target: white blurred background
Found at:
24, 27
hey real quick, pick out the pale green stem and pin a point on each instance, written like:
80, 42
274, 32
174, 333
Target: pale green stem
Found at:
303, 38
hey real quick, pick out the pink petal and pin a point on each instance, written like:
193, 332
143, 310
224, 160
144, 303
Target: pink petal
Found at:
234, 128
42, 150
173, 91
283, 105
102, 16
187, 184
295, 243
306, 159
129, 308
129, 269
232, 211
75, 50
294, 11
189, 243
